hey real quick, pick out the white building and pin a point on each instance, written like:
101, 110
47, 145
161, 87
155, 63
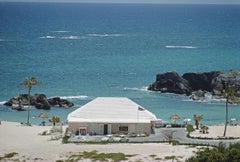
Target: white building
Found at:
111, 115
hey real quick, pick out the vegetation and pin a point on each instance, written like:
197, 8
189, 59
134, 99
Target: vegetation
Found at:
189, 128
54, 120
197, 119
65, 139
204, 129
170, 157
229, 92
221, 153
7, 156
95, 156
29, 83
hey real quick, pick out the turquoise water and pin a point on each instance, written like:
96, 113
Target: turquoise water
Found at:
82, 51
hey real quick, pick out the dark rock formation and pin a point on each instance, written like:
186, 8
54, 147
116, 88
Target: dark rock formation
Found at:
231, 78
201, 81
171, 82
214, 82
40, 101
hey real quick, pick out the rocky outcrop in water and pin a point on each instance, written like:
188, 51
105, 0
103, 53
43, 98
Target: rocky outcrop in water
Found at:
40, 101
197, 84
171, 82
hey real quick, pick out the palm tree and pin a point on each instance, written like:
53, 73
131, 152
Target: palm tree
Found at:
55, 119
197, 119
229, 93
29, 83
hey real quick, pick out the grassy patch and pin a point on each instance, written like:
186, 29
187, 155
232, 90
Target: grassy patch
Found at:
152, 155
95, 156
7, 156
158, 159
170, 157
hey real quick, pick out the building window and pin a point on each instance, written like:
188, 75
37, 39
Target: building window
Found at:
123, 128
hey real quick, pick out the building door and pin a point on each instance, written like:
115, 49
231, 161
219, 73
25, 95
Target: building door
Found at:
105, 129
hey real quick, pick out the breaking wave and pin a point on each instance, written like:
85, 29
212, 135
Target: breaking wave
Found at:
105, 35
60, 31
136, 89
208, 99
48, 37
186, 47
74, 97
72, 37
2, 102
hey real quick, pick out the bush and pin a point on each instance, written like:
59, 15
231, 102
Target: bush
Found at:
218, 154
65, 139
190, 128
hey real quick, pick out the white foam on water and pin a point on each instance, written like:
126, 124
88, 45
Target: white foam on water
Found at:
72, 37
186, 47
136, 89
74, 97
2, 102
105, 35
48, 37
60, 31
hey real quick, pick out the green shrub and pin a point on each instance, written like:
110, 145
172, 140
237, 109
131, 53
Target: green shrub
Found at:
9, 155
221, 153
190, 128
65, 139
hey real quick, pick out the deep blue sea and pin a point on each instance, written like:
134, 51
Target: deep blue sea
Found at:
83, 51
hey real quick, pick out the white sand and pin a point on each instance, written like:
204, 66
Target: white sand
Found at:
217, 131
30, 146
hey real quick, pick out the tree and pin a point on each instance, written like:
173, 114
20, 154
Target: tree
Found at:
197, 119
29, 83
229, 92
54, 120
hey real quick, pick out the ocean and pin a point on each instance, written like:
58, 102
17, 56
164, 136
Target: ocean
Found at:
83, 51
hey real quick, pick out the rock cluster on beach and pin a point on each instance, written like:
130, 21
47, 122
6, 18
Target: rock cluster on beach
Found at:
196, 85
40, 101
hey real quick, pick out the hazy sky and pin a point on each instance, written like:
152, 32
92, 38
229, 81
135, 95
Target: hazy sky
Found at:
137, 1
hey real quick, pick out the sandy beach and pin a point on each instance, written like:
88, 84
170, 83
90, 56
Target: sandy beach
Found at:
217, 132
30, 146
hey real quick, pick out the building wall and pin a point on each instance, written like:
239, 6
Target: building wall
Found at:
110, 128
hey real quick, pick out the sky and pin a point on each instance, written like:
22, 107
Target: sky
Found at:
137, 1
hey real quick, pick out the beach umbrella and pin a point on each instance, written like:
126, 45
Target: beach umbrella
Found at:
43, 116
185, 121
174, 117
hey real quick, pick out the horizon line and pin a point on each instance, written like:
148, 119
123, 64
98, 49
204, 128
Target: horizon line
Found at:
123, 2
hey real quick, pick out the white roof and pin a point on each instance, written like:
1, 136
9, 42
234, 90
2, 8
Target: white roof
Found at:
111, 110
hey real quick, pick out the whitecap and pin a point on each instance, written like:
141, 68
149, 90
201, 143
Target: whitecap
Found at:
186, 47
2, 102
105, 35
208, 99
136, 89
72, 37
48, 37
74, 97
60, 31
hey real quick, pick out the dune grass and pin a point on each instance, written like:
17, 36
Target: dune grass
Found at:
8, 156
95, 156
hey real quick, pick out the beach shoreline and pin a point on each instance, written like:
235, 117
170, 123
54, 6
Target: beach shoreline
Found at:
26, 141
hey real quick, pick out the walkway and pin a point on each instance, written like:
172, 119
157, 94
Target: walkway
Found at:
179, 134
